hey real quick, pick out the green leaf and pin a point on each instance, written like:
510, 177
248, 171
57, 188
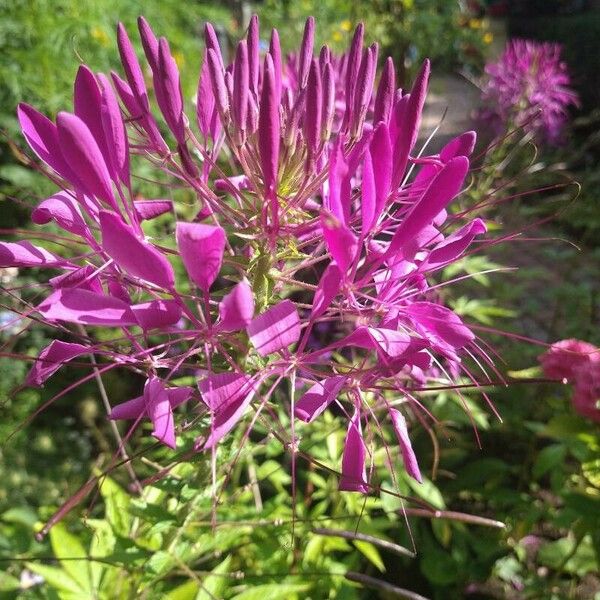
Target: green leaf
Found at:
102, 545
117, 503
20, 514
426, 490
186, 591
372, 554
66, 545
580, 560
160, 562
273, 591
215, 584
57, 579
8, 583
548, 458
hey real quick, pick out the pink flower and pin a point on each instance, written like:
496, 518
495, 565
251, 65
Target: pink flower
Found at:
529, 86
563, 358
318, 256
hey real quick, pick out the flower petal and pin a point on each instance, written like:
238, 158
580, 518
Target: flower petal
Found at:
354, 473
237, 308
160, 411
157, 313
62, 208
227, 395
318, 397
25, 254
88, 308
135, 256
52, 358
150, 209
408, 456
442, 189
275, 329
201, 247
84, 157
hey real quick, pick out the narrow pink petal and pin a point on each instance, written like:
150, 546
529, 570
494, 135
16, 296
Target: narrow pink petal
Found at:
381, 155
368, 204
337, 200
219, 390
205, 100
132, 68
314, 108
269, 130
306, 52
84, 278
114, 131
441, 322
157, 313
318, 397
211, 41
131, 409
75, 305
135, 256
201, 247
240, 87
25, 254
354, 472
52, 358
364, 89
42, 136
386, 342
459, 146
275, 329
384, 101
341, 241
409, 127
227, 395
61, 208
160, 412
87, 103
171, 99
150, 209
225, 420
352, 69
275, 52
408, 456
454, 245
149, 43
84, 156
328, 111
327, 290
217, 79
253, 54
179, 395
441, 191
237, 308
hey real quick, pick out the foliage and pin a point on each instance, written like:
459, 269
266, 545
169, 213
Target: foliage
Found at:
408, 30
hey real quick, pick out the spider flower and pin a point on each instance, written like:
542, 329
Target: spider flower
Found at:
578, 363
529, 86
328, 228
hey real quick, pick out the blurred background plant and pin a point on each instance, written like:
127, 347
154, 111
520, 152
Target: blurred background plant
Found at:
538, 470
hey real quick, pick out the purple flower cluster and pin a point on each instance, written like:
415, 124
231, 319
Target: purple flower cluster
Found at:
315, 214
529, 86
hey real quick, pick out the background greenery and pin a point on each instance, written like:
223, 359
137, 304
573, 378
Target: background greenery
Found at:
538, 471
